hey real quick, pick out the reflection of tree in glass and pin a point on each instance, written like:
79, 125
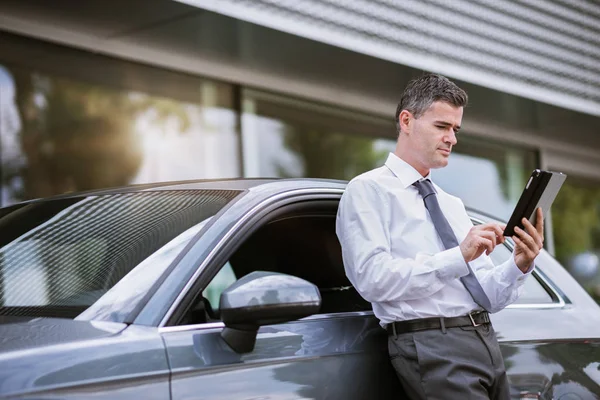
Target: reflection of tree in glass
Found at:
77, 136
329, 154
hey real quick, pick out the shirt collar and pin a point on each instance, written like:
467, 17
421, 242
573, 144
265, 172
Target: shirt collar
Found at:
403, 170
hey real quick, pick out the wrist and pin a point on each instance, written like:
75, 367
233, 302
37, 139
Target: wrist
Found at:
523, 269
524, 265
463, 253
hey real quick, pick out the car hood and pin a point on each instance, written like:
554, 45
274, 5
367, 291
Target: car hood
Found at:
23, 333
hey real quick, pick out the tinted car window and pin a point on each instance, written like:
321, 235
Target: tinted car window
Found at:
533, 291
224, 278
58, 257
120, 302
304, 246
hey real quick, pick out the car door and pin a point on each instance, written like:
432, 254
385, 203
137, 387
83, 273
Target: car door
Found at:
550, 337
341, 352
325, 357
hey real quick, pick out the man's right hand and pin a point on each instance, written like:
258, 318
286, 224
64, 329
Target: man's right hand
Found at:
481, 238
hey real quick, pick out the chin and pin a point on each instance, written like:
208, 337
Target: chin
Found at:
440, 164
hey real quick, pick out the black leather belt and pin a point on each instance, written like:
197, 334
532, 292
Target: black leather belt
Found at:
472, 319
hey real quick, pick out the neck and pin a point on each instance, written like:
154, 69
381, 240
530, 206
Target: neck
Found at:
405, 154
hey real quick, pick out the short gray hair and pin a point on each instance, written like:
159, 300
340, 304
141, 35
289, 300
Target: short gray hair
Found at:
422, 92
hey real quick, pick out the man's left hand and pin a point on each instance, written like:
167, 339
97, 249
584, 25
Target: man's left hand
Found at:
529, 242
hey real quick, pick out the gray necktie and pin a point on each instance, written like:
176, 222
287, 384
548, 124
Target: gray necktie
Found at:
449, 240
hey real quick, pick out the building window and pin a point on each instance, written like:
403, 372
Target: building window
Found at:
64, 131
283, 137
290, 138
576, 229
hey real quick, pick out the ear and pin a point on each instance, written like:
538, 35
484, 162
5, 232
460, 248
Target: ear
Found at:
405, 119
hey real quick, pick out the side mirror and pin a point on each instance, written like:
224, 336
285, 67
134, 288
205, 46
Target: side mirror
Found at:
264, 298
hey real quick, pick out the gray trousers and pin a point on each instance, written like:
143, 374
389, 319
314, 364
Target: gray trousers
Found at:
462, 363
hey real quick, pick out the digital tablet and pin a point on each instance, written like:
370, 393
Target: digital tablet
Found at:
540, 191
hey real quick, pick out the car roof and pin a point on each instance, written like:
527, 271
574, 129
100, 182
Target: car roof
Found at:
194, 184
224, 184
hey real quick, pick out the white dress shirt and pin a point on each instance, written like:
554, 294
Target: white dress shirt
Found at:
395, 259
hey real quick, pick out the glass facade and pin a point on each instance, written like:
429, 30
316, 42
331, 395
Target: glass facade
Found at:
79, 121
576, 228
291, 138
61, 135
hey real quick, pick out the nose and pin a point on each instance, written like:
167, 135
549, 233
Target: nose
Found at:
451, 137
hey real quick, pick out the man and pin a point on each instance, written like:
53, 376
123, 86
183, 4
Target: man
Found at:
411, 250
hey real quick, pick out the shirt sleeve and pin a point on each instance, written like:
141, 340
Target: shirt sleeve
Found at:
503, 283
362, 227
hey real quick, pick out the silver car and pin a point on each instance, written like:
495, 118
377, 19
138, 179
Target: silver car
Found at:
233, 289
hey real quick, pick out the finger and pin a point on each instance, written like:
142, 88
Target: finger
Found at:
528, 240
534, 233
498, 230
502, 227
500, 238
501, 235
525, 237
486, 244
490, 226
521, 246
539, 223
489, 235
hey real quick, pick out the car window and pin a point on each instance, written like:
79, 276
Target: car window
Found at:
123, 298
58, 257
224, 278
533, 290
303, 246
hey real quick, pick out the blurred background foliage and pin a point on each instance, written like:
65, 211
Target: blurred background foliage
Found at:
576, 227
326, 154
76, 136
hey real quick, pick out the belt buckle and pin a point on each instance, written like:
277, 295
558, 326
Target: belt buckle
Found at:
473, 321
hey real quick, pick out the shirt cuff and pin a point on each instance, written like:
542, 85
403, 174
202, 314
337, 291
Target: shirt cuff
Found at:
452, 263
512, 273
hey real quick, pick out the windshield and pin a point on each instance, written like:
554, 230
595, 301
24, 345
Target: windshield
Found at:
59, 257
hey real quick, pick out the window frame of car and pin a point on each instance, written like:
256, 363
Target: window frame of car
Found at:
256, 202
266, 210
558, 298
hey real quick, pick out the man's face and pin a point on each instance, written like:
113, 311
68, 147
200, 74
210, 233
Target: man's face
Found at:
432, 135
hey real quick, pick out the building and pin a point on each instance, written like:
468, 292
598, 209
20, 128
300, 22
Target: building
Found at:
95, 96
